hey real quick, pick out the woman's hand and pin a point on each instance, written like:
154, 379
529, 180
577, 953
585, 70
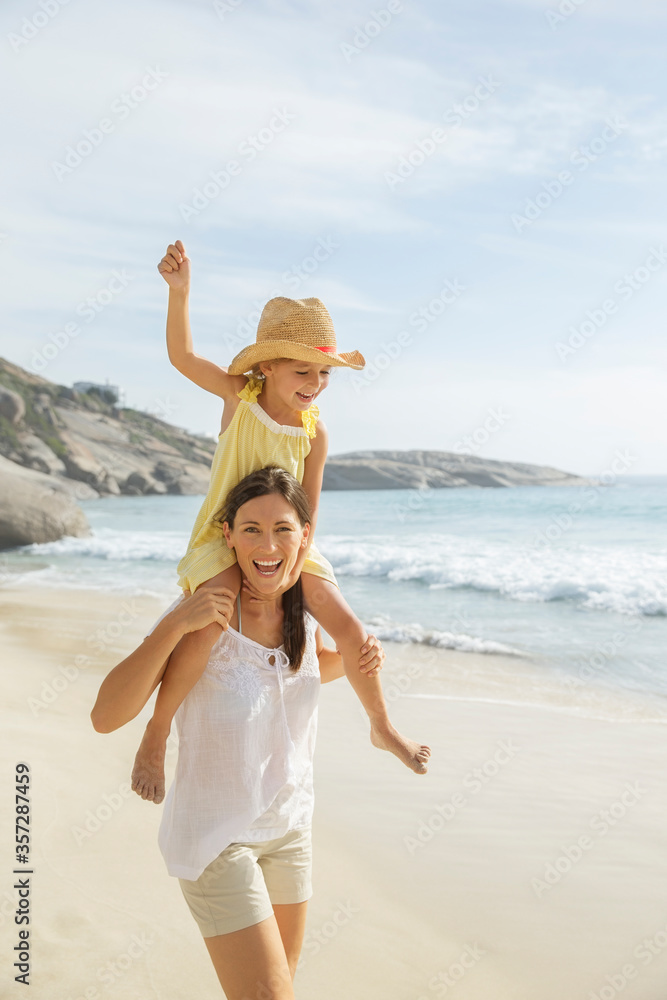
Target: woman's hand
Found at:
203, 608
175, 267
372, 656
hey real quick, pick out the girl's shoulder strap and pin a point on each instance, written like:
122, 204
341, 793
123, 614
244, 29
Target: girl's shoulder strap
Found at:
309, 420
251, 390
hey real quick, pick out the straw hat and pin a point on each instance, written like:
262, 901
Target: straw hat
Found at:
300, 329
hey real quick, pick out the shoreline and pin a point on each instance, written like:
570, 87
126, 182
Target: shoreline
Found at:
413, 671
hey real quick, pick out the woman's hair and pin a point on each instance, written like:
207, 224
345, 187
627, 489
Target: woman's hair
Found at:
265, 482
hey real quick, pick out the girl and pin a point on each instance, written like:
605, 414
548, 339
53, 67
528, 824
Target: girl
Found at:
268, 418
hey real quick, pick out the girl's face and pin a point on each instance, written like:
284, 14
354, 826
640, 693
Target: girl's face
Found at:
297, 383
267, 537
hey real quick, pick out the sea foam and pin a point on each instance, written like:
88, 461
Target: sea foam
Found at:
621, 579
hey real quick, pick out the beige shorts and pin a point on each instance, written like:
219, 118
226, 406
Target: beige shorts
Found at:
239, 888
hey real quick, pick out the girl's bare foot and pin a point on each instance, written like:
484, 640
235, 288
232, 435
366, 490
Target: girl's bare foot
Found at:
414, 755
148, 770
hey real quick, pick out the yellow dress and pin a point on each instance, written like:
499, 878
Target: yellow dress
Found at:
252, 440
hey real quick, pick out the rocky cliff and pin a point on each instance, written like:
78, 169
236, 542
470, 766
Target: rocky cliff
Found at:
84, 437
393, 470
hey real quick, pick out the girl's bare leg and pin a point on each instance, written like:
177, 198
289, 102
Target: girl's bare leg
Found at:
327, 604
186, 665
252, 963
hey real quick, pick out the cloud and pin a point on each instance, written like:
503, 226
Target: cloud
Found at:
649, 11
324, 176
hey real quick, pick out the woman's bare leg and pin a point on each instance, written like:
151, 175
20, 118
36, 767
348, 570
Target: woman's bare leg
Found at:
291, 920
251, 963
327, 604
186, 665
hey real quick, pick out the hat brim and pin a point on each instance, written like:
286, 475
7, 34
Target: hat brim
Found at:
271, 350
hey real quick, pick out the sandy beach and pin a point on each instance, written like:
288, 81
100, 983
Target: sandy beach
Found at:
529, 864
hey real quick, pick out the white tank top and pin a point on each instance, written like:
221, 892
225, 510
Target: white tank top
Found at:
245, 760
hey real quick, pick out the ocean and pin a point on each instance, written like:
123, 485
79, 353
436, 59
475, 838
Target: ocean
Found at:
572, 578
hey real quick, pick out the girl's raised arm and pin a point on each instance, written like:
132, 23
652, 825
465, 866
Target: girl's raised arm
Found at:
175, 269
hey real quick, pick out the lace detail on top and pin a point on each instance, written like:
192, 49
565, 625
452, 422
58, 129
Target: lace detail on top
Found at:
310, 665
309, 417
238, 675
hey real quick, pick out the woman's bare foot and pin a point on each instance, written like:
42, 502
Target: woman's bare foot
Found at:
148, 770
414, 755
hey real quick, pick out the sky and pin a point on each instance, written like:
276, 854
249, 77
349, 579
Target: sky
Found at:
475, 190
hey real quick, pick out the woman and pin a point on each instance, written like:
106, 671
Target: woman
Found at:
236, 823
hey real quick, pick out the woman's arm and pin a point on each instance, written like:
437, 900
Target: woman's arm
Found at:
127, 688
331, 665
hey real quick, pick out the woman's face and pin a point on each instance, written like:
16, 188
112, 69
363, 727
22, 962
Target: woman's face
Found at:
267, 538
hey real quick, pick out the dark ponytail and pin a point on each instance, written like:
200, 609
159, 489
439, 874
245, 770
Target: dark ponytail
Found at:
263, 482
294, 624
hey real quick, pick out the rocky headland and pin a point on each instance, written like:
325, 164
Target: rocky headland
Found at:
401, 470
58, 446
